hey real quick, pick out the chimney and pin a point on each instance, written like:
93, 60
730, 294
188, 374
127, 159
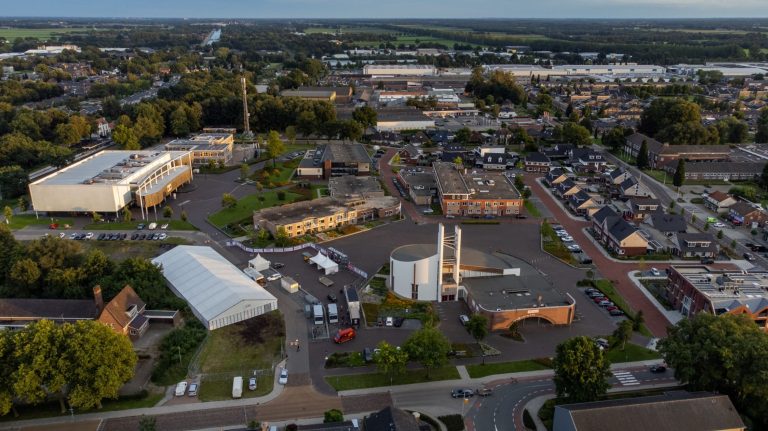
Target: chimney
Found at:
98, 299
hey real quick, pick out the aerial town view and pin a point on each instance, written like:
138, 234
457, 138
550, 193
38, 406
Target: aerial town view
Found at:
337, 215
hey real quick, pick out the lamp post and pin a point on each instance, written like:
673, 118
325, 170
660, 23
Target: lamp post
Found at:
179, 349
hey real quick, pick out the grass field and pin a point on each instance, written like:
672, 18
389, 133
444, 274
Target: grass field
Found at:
333, 30
532, 210
373, 380
247, 205
21, 221
53, 409
477, 371
237, 350
39, 33
631, 353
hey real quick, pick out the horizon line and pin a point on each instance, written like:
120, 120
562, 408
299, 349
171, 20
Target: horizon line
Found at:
681, 18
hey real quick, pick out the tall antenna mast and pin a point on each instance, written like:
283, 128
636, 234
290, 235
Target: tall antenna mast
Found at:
246, 116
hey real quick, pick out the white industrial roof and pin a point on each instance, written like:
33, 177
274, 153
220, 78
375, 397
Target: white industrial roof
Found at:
210, 283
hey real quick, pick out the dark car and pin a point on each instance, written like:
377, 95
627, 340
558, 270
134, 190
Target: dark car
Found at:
749, 257
399, 321
707, 260
332, 297
368, 354
462, 393
277, 265
101, 236
616, 313
134, 236
123, 235
140, 226
658, 368
521, 216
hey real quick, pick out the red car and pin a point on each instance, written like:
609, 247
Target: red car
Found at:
599, 298
611, 308
53, 226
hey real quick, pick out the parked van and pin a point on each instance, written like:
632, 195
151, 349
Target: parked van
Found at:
237, 387
333, 313
318, 315
344, 335
152, 226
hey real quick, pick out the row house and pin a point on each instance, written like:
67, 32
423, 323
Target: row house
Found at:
617, 235
743, 213
537, 162
718, 201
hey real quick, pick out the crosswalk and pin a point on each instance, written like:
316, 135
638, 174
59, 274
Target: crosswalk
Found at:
625, 378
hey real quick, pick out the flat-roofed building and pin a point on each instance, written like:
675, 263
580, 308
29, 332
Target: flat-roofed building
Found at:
421, 186
399, 70
320, 215
476, 193
206, 147
335, 159
348, 186
701, 289
108, 181
394, 119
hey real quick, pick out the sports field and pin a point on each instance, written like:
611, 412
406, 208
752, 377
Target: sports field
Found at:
39, 33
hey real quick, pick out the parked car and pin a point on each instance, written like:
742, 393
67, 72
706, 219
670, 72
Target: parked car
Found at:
574, 248
611, 308
134, 236
332, 298
484, 392
181, 389
605, 303
616, 313
89, 235
658, 368
464, 319
164, 226
162, 236
707, 260
368, 354
749, 257
140, 226
599, 299
521, 216
274, 277
567, 239
602, 342
390, 321
252, 383
655, 272
101, 236
192, 392
283, 379
399, 321
719, 225
277, 265
462, 393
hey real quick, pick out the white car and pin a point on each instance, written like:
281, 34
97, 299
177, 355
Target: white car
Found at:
72, 235
574, 247
719, 225
163, 236
165, 226
390, 321
274, 277
283, 379
62, 235
655, 272
252, 383
181, 389
192, 392
567, 238
89, 235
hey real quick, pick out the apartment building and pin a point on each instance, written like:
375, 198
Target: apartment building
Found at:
475, 193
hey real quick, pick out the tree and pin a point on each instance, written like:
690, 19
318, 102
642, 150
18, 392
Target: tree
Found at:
332, 416
8, 214
665, 112
762, 127
623, 333
66, 134
390, 360
43, 366
101, 362
125, 137
459, 162
727, 354
642, 156
365, 115
127, 214
679, 177
183, 215
9, 366
167, 211
290, 133
179, 122
281, 237
615, 138
429, 347
638, 321
580, 370
275, 146
720, 234
764, 177
576, 134
244, 171
96, 217
25, 274
478, 328
228, 201
147, 423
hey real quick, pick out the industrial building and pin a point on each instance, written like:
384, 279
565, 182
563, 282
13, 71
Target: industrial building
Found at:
399, 70
335, 159
218, 293
206, 148
475, 193
108, 181
319, 215
501, 287
348, 186
395, 119
697, 289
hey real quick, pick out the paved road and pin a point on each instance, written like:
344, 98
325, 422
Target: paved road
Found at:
504, 409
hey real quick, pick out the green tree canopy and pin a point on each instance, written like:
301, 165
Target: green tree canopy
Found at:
679, 177
576, 134
581, 369
390, 360
642, 156
275, 145
429, 347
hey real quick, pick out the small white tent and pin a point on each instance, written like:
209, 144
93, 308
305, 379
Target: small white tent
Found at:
259, 263
324, 263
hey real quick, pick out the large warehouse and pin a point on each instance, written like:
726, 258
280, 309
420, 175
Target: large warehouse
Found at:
109, 180
218, 293
496, 285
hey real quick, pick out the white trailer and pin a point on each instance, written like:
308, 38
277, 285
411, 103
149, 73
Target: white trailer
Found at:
333, 313
289, 284
353, 304
237, 387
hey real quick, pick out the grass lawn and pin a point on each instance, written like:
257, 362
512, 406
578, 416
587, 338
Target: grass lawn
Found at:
631, 353
237, 350
532, 210
247, 205
271, 177
131, 225
371, 311
39, 33
479, 370
21, 221
53, 409
554, 246
374, 380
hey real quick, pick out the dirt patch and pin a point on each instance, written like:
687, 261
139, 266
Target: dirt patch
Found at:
263, 327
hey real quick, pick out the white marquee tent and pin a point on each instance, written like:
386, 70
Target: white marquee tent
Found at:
324, 263
217, 291
259, 263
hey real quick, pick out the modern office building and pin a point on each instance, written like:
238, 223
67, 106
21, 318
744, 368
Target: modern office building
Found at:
206, 148
108, 181
335, 159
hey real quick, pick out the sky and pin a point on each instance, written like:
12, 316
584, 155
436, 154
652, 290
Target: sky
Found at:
386, 8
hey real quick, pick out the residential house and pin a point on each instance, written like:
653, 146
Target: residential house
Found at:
587, 160
411, 155
617, 176
631, 187
386, 138
566, 188
496, 161
537, 162
639, 207
743, 213
671, 411
124, 313
663, 154
581, 202
720, 170
555, 176
695, 245
718, 201
558, 151
667, 224
451, 151
635, 141
616, 234
103, 127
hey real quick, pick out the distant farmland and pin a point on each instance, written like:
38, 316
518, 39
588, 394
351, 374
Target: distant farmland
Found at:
39, 33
